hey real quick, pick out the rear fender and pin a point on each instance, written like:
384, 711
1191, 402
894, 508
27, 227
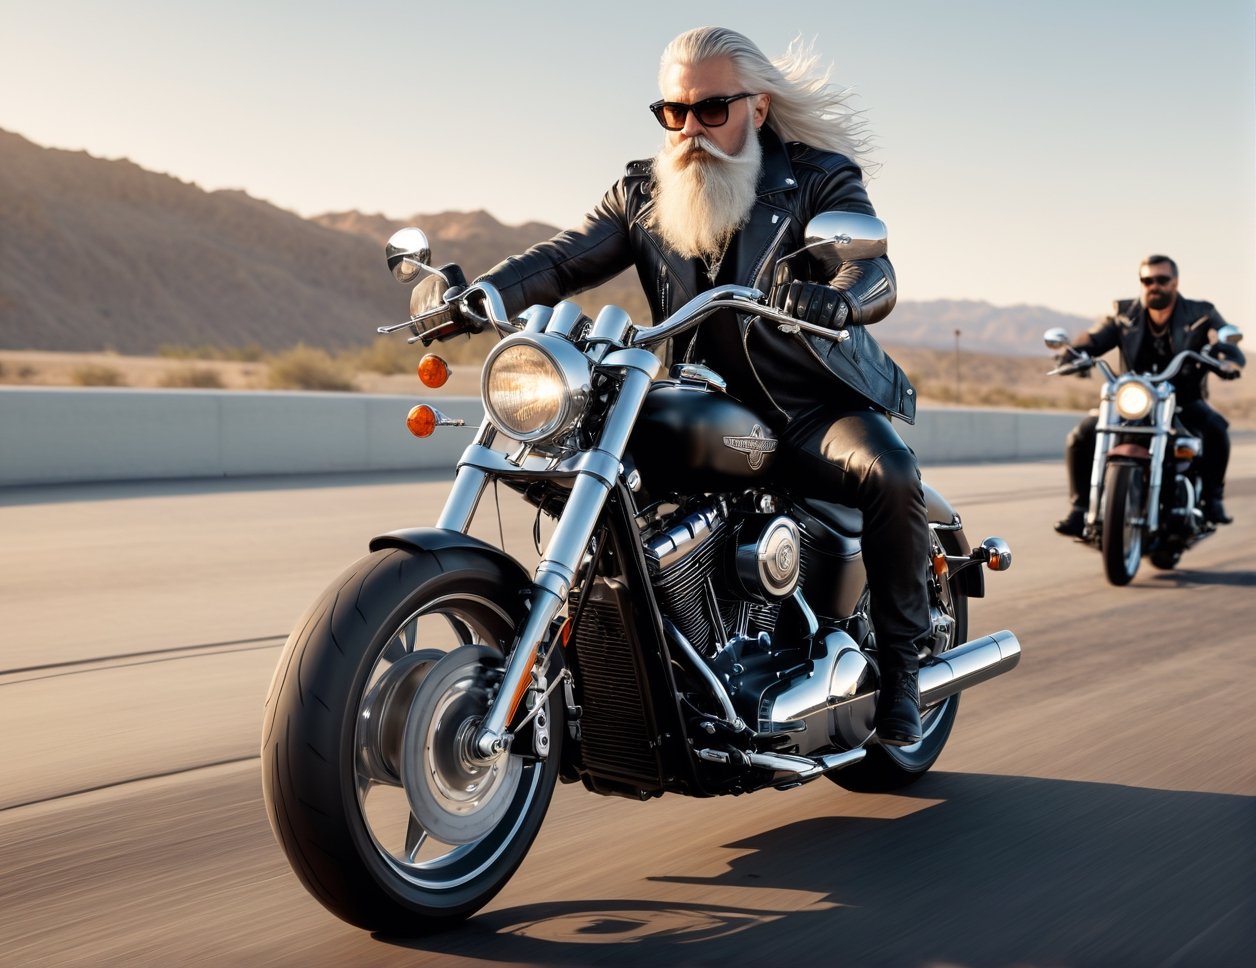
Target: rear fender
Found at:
972, 580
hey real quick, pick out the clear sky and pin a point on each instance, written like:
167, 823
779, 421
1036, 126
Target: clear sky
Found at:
1030, 152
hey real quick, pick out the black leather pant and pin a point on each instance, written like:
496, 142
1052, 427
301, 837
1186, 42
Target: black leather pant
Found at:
856, 458
1197, 416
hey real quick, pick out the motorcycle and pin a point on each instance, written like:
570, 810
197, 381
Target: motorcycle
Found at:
1145, 493
691, 628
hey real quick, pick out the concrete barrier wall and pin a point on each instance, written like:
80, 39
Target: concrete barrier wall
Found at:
53, 435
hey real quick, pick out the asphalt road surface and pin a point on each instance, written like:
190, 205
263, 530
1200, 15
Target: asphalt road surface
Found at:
1096, 806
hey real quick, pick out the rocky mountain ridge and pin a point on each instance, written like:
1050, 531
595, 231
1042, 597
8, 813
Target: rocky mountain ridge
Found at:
103, 254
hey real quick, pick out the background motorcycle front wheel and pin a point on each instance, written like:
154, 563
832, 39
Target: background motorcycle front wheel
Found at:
337, 720
1124, 500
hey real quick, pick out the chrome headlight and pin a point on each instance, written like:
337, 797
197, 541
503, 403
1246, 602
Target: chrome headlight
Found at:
1134, 399
535, 387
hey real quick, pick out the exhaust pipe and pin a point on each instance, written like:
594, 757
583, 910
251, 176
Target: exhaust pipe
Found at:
973, 662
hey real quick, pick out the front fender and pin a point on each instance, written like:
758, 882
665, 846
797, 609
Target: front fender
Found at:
1136, 452
450, 548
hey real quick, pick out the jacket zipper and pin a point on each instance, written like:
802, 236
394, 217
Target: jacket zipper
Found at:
745, 345
745, 339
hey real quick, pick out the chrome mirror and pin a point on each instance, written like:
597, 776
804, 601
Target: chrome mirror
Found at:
1056, 338
845, 236
409, 255
1229, 334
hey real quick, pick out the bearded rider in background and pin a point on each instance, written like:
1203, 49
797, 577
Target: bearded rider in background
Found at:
753, 150
1149, 332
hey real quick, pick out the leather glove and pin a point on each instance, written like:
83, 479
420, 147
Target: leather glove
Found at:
812, 302
1065, 357
1230, 371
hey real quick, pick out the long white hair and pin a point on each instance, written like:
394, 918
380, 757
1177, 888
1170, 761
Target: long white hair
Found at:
805, 106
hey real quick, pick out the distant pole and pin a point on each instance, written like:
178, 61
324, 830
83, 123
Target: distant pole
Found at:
957, 332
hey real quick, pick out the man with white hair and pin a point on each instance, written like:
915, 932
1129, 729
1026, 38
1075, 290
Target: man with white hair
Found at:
753, 150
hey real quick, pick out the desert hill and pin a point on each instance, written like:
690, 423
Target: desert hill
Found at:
102, 254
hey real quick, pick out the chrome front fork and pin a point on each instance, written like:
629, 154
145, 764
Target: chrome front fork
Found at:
1103, 443
1165, 410
596, 472
1159, 443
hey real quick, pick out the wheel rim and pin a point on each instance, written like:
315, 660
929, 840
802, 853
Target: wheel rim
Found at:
400, 841
456, 795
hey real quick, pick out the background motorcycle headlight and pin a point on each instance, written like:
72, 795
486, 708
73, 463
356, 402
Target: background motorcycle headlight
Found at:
535, 391
1134, 399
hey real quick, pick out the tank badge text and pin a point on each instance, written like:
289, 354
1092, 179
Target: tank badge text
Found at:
754, 446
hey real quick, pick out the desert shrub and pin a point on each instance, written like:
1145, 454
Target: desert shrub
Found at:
307, 368
97, 375
249, 353
388, 354
192, 376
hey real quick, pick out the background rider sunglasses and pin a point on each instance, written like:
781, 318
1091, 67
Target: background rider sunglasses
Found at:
1152, 280
711, 112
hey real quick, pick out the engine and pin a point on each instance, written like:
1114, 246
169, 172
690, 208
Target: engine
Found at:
721, 576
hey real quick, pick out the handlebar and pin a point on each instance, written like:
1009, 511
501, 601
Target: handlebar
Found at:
1085, 361
459, 315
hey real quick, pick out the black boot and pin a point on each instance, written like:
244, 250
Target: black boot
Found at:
898, 708
1214, 511
1074, 525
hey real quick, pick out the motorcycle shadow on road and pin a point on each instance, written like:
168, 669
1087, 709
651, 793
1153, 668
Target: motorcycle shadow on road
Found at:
1185, 578
988, 870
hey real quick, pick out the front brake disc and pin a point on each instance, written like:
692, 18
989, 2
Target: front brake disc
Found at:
456, 795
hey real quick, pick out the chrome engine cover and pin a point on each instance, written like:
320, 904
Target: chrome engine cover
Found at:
768, 567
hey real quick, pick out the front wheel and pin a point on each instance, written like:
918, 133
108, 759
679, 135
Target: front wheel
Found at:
1124, 518
371, 783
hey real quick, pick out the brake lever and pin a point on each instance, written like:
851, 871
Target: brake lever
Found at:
445, 330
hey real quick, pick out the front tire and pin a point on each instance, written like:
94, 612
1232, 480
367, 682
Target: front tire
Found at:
340, 720
1124, 504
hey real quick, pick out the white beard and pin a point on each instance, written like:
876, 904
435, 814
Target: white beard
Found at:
702, 195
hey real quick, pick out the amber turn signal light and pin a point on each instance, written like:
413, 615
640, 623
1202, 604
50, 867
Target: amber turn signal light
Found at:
433, 371
421, 421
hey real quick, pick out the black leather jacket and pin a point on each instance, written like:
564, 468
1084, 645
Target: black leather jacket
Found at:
788, 373
1127, 329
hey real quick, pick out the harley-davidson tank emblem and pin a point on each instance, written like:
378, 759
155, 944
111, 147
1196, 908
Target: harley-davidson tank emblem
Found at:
753, 446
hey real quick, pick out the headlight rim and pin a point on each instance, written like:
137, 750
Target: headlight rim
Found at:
1122, 394
570, 366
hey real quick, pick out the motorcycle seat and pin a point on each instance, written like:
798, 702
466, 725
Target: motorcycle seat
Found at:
841, 518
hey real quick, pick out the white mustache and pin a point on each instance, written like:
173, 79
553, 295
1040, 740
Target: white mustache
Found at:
703, 143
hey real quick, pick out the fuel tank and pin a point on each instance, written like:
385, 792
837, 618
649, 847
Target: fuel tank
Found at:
693, 439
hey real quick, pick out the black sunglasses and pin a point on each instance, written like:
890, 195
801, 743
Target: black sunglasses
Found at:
711, 112
1155, 280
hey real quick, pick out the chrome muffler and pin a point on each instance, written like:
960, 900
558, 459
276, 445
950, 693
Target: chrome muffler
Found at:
968, 664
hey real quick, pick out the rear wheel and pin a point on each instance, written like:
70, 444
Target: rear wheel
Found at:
891, 767
1124, 518
371, 782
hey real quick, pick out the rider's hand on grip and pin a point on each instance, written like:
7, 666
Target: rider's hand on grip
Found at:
1066, 359
437, 311
812, 302
1231, 359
